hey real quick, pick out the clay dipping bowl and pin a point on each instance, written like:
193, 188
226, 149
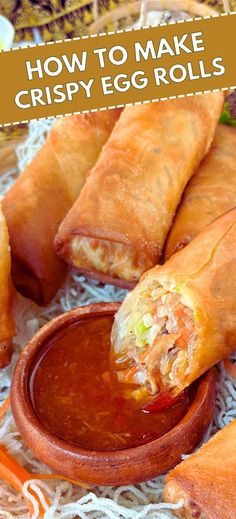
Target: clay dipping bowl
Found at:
118, 467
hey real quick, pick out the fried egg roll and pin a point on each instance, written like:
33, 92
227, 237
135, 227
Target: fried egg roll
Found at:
117, 227
181, 318
210, 192
39, 200
206, 480
7, 296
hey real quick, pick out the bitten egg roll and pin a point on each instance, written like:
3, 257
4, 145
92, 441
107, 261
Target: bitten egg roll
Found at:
117, 227
206, 480
181, 318
43, 194
210, 192
7, 296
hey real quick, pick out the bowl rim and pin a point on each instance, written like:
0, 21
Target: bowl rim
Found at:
20, 393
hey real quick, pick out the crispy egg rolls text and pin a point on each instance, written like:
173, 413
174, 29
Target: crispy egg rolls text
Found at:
7, 296
117, 227
206, 480
210, 192
181, 318
43, 194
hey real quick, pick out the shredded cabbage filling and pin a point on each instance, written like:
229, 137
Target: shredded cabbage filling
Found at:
154, 346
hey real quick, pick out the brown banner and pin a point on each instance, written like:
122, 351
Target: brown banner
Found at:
117, 69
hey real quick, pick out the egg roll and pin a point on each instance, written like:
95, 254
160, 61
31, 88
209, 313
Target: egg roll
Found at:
7, 297
117, 227
181, 318
206, 480
210, 192
43, 194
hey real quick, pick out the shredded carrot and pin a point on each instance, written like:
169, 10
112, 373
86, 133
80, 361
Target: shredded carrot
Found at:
4, 407
181, 343
16, 475
230, 367
130, 372
144, 354
60, 476
94, 244
179, 313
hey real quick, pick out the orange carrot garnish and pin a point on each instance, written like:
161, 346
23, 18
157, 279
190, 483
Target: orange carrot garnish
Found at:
16, 475
179, 313
144, 354
181, 343
4, 407
130, 372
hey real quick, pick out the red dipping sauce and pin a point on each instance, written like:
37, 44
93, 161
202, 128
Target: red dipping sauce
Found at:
76, 396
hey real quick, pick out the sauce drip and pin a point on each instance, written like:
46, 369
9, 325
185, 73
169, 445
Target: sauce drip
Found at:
77, 397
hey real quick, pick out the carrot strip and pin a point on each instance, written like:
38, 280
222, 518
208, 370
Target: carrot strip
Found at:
179, 313
181, 343
230, 367
144, 354
16, 475
17, 483
4, 407
130, 372
10, 462
64, 478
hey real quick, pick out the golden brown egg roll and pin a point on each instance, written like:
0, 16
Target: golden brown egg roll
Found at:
206, 481
210, 192
7, 296
43, 194
181, 318
117, 227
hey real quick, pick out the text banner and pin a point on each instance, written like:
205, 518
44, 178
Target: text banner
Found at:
116, 69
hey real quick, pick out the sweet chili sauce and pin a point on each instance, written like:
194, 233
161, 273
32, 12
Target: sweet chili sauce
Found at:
79, 399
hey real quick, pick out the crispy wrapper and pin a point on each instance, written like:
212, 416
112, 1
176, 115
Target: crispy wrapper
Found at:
202, 276
117, 227
206, 481
39, 200
210, 192
7, 297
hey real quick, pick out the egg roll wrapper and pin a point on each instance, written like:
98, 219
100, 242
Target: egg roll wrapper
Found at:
7, 297
204, 274
117, 227
206, 480
43, 194
210, 192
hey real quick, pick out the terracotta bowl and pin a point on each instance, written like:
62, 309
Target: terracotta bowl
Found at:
101, 467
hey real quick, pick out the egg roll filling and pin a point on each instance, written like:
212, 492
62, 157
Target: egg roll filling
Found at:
107, 256
154, 344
